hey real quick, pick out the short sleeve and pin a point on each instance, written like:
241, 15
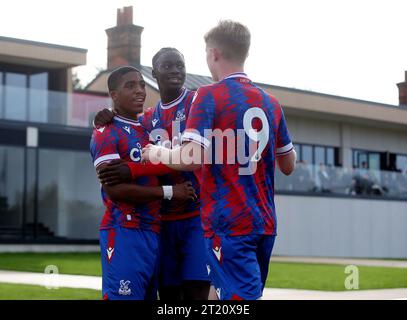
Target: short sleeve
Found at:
200, 119
284, 143
103, 146
145, 118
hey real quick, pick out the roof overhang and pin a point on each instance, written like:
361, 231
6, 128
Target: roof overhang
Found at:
315, 105
39, 54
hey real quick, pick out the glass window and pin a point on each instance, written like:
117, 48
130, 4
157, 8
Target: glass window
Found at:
330, 156
15, 96
307, 154
38, 97
401, 163
374, 161
362, 160
11, 188
319, 155
297, 148
69, 197
1, 96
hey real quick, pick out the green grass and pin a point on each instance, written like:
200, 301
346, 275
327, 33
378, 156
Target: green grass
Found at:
332, 277
281, 275
28, 292
67, 263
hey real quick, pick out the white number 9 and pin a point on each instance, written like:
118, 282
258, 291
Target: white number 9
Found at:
261, 136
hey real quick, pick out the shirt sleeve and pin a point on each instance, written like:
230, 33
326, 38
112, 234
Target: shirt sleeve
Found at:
145, 118
200, 119
284, 143
103, 146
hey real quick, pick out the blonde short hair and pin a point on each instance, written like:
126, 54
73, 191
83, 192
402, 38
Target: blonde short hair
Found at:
231, 38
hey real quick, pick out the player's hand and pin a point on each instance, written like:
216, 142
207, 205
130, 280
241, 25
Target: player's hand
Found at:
151, 153
103, 118
183, 191
115, 172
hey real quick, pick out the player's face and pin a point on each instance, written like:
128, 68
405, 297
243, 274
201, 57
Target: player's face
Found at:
130, 95
170, 71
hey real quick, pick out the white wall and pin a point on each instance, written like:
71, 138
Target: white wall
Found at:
336, 227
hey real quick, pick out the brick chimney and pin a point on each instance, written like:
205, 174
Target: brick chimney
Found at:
124, 41
403, 91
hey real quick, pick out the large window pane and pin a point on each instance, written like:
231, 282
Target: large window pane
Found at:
15, 96
69, 194
319, 155
297, 148
362, 160
374, 161
330, 157
307, 154
38, 95
1, 96
401, 163
11, 188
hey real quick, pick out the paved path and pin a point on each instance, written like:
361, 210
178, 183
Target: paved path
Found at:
343, 261
91, 282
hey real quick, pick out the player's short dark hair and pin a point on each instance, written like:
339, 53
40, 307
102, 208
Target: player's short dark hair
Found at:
117, 74
231, 38
161, 52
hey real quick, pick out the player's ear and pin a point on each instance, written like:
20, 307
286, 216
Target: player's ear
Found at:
113, 95
216, 54
153, 74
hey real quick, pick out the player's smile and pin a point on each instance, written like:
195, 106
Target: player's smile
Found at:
139, 98
175, 80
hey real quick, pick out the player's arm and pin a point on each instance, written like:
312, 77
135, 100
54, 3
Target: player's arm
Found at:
135, 194
188, 157
286, 162
286, 156
119, 171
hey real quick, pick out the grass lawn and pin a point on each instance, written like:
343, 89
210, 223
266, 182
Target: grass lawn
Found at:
332, 277
28, 292
281, 275
67, 263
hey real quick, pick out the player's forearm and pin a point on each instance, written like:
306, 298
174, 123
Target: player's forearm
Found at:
188, 157
148, 169
286, 163
133, 193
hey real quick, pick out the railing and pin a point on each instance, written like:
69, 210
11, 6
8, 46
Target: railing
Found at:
46, 106
310, 179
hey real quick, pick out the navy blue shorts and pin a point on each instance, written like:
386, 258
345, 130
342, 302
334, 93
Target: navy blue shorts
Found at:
238, 265
183, 253
129, 264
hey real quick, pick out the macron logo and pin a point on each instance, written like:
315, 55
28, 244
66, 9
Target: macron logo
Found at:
127, 128
154, 122
218, 293
110, 252
218, 253
208, 268
101, 129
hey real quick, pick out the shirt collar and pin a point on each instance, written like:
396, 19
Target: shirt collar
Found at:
237, 75
176, 101
126, 120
